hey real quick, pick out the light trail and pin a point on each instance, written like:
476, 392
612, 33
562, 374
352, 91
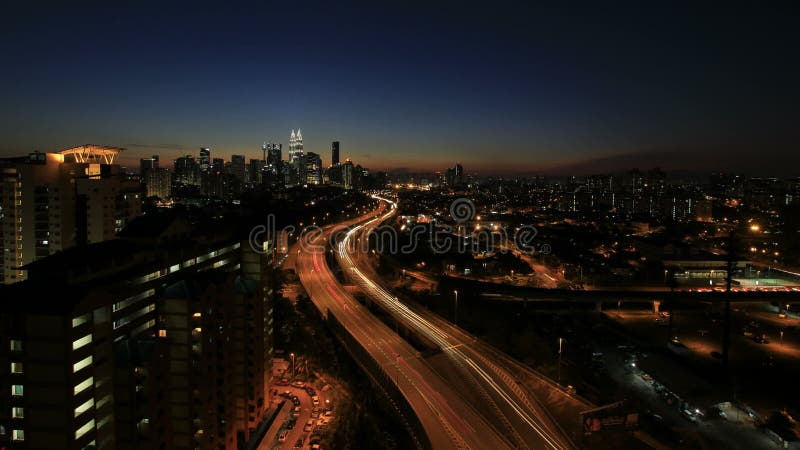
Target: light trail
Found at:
357, 322
431, 331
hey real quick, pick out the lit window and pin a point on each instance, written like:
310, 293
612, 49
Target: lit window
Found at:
83, 385
16, 345
82, 363
78, 321
84, 407
18, 435
17, 390
17, 412
16, 367
84, 429
81, 342
162, 333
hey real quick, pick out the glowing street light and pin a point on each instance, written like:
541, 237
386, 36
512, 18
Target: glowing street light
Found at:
560, 348
455, 307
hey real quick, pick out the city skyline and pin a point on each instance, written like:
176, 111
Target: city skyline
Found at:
551, 91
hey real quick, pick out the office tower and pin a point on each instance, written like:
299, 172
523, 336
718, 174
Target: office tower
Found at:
274, 155
159, 339
295, 145
205, 159
454, 176
159, 183
348, 172
54, 201
186, 171
218, 164
255, 171
335, 153
313, 168
146, 164
296, 165
238, 168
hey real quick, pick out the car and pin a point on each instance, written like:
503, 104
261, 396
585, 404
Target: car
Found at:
309, 425
782, 315
761, 339
689, 415
282, 436
299, 443
298, 384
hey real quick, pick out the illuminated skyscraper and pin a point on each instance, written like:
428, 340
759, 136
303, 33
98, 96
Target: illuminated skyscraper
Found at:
297, 162
205, 159
295, 145
313, 168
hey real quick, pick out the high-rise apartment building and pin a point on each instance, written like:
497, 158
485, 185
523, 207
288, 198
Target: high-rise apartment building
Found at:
53, 201
159, 183
159, 339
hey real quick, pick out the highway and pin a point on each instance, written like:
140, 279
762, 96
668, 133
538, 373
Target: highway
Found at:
448, 421
486, 378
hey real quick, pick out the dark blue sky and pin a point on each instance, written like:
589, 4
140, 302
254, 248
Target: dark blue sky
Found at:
500, 88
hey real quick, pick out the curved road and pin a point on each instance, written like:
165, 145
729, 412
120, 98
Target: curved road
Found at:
483, 375
447, 419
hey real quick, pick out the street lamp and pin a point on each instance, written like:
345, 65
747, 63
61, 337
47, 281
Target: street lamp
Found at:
292, 355
455, 307
560, 348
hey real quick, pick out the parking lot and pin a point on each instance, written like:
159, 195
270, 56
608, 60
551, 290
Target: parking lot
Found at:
306, 417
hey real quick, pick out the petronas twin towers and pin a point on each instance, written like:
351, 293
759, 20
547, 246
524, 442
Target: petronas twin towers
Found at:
295, 145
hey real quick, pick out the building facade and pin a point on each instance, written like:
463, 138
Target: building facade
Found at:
160, 339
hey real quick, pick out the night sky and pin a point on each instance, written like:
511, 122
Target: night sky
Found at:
501, 89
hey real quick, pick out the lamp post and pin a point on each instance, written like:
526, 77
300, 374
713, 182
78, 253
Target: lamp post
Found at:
455, 307
292, 355
560, 348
